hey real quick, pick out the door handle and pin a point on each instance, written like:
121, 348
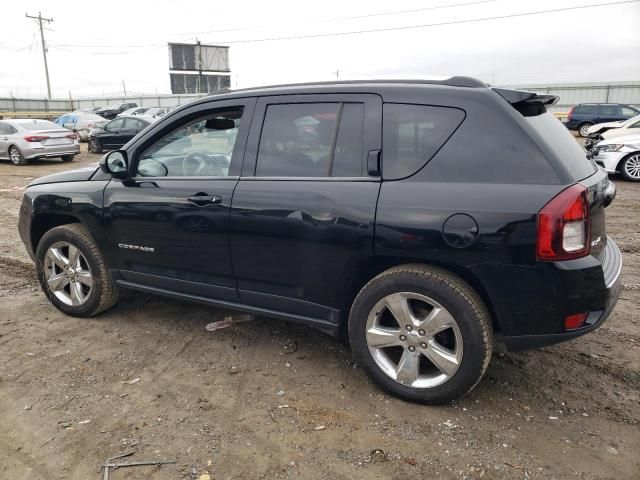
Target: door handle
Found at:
202, 199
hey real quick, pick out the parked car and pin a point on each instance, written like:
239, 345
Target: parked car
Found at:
117, 132
619, 155
79, 122
134, 111
111, 111
603, 131
399, 219
157, 112
583, 116
22, 140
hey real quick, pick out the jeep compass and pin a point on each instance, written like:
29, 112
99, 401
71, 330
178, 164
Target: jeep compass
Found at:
421, 221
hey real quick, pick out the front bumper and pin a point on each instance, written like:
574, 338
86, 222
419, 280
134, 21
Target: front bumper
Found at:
611, 270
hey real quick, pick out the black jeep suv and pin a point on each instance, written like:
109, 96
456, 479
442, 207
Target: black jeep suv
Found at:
422, 221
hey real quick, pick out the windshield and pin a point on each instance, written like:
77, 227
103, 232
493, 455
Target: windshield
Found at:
568, 151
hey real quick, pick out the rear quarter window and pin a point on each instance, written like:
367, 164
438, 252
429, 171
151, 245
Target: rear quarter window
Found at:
412, 134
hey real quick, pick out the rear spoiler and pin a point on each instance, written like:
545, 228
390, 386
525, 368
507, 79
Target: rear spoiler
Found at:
528, 104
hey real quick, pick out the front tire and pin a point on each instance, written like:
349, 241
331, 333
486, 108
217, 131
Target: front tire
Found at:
421, 333
68, 158
630, 168
94, 145
16, 157
582, 129
72, 272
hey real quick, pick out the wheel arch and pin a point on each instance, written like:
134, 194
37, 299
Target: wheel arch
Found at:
373, 266
622, 160
43, 222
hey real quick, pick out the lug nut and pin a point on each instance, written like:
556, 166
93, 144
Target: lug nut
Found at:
412, 348
423, 345
402, 338
409, 328
421, 332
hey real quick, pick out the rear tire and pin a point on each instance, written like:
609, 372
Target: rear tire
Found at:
439, 348
630, 167
94, 145
68, 158
582, 129
72, 272
16, 157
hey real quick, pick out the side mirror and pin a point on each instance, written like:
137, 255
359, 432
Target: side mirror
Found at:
115, 163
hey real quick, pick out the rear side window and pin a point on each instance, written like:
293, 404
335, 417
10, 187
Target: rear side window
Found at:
628, 112
563, 144
609, 110
412, 134
311, 140
585, 110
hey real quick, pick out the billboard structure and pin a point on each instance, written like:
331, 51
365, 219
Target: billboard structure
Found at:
197, 68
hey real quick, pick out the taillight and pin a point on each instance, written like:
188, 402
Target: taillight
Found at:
575, 321
564, 228
570, 113
35, 138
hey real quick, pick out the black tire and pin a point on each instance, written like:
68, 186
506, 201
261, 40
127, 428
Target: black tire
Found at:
103, 293
95, 146
68, 158
582, 129
16, 157
629, 167
452, 293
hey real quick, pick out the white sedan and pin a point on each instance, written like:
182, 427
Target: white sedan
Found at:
619, 154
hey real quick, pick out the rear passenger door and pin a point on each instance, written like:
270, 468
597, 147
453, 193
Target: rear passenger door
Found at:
303, 212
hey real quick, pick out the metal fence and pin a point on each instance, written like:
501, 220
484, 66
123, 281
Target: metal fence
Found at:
56, 106
570, 94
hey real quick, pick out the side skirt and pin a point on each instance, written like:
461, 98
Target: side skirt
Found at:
323, 325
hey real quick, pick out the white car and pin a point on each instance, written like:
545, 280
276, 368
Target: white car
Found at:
619, 154
630, 127
604, 128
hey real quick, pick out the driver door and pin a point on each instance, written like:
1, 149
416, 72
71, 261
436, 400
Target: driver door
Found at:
168, 225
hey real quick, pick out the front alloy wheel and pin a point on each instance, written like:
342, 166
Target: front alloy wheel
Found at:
68, 274
631, 168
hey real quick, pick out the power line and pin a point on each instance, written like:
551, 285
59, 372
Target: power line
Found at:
371, 30
354, 17
438, 24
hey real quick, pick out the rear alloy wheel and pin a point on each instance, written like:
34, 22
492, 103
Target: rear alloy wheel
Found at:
421, 333
582, 129
630, 168
94, 146
16, 157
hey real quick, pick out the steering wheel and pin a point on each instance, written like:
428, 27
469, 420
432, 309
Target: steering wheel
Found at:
199, 164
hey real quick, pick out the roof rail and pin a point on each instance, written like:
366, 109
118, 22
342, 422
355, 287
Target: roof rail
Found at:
456, 81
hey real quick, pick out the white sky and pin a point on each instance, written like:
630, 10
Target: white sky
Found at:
94, 45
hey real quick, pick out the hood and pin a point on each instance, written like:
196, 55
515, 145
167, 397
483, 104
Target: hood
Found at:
625, 140
79, 175
599, 126
618, 132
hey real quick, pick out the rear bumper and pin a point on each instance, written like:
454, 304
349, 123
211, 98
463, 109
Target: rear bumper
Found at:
51, 151
608, 297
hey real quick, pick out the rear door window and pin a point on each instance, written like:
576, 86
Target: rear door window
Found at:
584, 110
412, 134
312, 140
608, 110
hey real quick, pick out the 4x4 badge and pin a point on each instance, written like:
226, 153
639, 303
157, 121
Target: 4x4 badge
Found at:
126, 246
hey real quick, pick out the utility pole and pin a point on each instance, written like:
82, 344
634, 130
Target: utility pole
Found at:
199, 66
44, 47
124, 88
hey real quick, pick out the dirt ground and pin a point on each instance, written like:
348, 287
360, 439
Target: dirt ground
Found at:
267, 399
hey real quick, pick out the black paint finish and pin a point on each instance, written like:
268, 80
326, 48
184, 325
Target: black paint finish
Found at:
300, 248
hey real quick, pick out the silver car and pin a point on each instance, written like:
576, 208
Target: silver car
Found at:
29, 139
